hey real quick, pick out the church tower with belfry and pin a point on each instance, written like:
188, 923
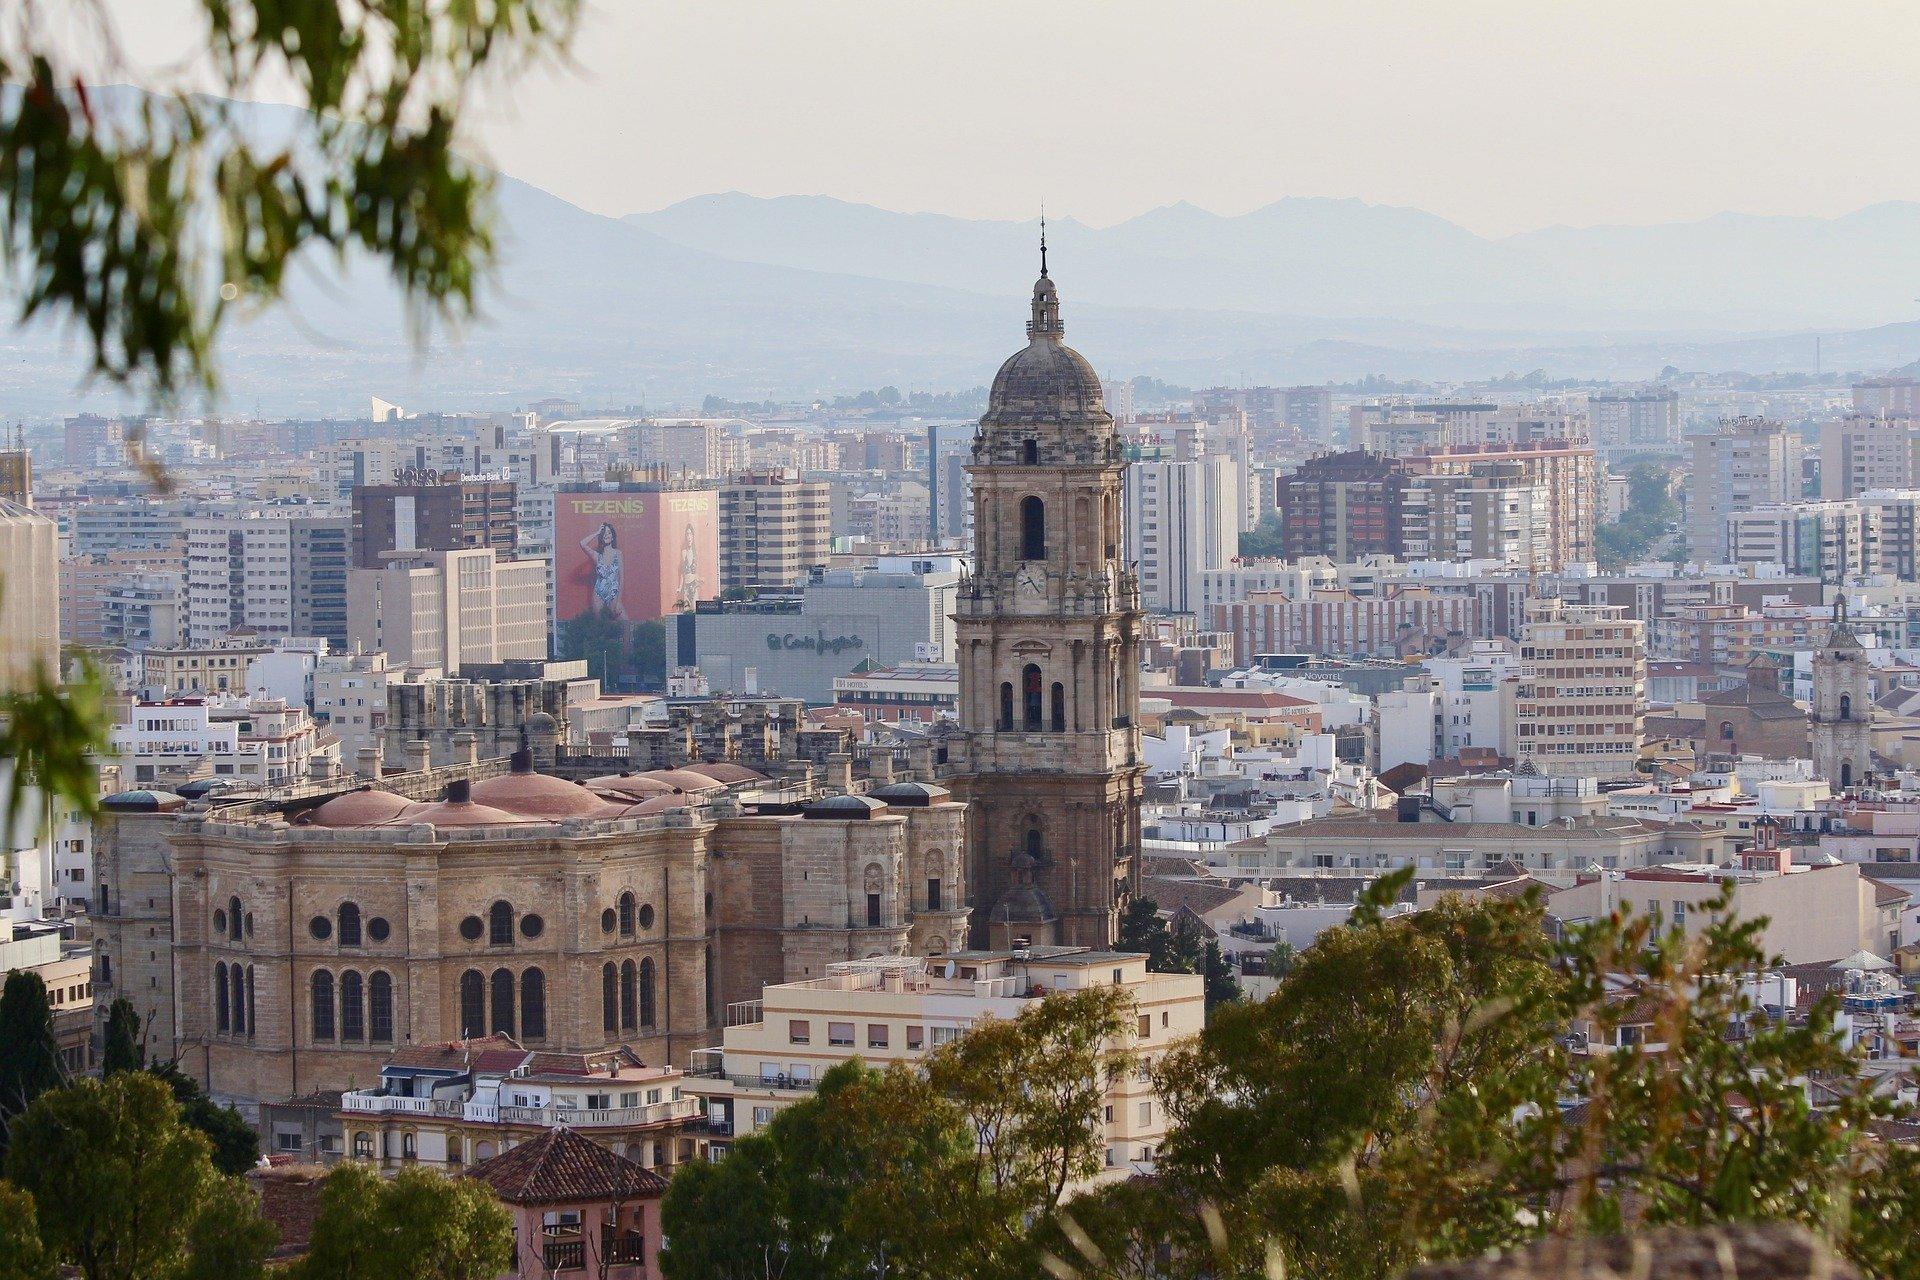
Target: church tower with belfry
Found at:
1840, 728
1048, 638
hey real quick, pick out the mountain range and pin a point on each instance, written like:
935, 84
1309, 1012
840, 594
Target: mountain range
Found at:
747, 297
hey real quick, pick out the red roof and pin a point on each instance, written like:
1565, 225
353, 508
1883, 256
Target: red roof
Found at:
561, 1167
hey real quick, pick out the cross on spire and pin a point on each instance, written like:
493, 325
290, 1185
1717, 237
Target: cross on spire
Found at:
1043, 238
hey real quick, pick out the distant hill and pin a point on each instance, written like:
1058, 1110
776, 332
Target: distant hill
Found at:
1344, 258
750, 299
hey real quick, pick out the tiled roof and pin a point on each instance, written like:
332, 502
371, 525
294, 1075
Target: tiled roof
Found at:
1197, 896
460, 1055
561, 1167
290, 1200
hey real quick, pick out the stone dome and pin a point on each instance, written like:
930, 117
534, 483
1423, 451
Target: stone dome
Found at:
1046, 383
364, 808
629, 786
540, 795
726, 771
911, 795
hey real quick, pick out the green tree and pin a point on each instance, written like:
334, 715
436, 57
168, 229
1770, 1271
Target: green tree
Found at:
22, 1256
236, 1147
29, 1054
417, 1225
1223, 984
1264, 541
138, 1196
122, 1048
600, 639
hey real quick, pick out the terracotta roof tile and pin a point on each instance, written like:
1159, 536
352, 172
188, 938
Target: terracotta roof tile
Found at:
561, 1167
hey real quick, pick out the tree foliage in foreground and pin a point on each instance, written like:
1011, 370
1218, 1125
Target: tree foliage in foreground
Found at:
1410, 1093
417, 1225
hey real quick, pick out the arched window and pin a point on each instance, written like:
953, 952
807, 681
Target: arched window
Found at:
629, 1013
1031, 453
502, 1002
1033, 529
237, 980
626, 915
1030, 695
322, 1002
1059, 707
533, 1005
646, 992
233, 918
500, 925
349, 925
1726, 730
409, 1146
1846, 706
1033, 843
610, 997
253, 1010
353, 1007
220, 1015
473, 1004
380, 1007
1006, 704
1846, 774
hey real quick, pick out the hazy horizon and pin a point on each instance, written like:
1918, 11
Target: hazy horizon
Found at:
1498, 115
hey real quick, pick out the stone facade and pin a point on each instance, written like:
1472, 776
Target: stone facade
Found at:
1840, 726
1048, 633
518, 903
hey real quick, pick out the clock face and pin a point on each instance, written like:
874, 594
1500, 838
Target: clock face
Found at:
1029, 581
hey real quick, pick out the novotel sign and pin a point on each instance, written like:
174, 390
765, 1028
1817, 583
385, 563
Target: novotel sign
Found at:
819, 642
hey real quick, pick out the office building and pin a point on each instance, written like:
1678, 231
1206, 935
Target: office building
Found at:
1742, 464
774, 527
445, 610
450, 514
1582, 696
796, 645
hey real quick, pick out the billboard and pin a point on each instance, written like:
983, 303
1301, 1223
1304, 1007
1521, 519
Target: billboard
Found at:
637, 554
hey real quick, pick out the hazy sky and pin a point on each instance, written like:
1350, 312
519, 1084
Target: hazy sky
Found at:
1501, 114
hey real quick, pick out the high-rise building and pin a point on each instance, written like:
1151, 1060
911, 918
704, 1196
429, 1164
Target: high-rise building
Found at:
1494, 512
29, 597
1048, 631
1343, 506
451, 514
683, 446
281, 575
1841, 723
1743, 464
1645, 418
1890, 395
774, 526
1581, 704
447, 610
1182, 519
1309, 411
1832, 541
1862, 452
1562, 470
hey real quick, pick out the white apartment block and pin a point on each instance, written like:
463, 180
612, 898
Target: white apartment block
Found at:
1581, 704
1833, 541
264, 741
29, 597
1456, 703
1649, 417
448, 609
277, 574
1182, 519
350, 699
1863, 451
1744, 463
898, 1008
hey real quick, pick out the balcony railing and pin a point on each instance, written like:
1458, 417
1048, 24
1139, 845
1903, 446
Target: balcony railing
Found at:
543, 1117
564, 1255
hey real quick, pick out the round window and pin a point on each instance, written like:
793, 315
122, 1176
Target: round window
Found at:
531, 926
320, 927
471, 928
607, 920
646, 916
220, 921
378, 928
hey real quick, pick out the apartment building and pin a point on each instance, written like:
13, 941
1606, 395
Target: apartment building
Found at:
774, 526
451, 514
1182, 518
1890, 395
179, 671
1343, 506
263, 741
279, 574
444, 610
1494, 513
1832, 541
891, 1009
1646, 418
1744, 463
1562, 470
1868, 451
1340, 624
29, 596
1581, 703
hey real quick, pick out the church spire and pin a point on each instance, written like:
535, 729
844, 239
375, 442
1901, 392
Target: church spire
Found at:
1045, 322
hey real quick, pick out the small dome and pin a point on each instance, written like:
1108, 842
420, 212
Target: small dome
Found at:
144, 802
461, 813
1046, 383
685, 779
364, 808
842, 808
629, 786
911, 795
540, 795
726, 771
658, 804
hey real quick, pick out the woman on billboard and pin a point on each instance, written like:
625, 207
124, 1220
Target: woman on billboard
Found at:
603, 545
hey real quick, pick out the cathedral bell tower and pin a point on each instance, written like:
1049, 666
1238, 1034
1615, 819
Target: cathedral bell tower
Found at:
1048, 636
1840, 730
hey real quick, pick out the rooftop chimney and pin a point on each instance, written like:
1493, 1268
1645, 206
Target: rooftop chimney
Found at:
459, 791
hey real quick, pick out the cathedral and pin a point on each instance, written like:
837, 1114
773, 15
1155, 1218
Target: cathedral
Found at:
1048, 634
1841, 726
